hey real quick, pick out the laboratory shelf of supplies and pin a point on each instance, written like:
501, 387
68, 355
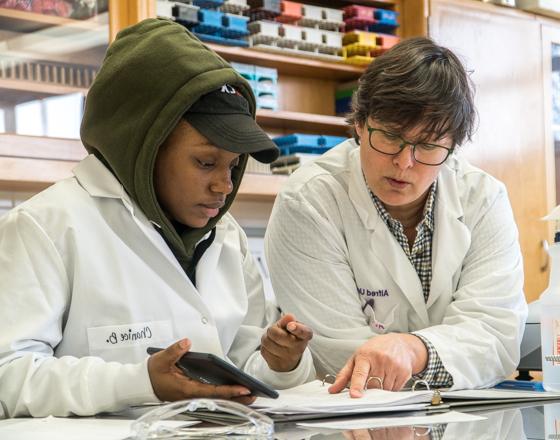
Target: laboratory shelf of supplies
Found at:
289, 65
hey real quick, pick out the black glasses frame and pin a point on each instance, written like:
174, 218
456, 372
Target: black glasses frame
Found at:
404, 143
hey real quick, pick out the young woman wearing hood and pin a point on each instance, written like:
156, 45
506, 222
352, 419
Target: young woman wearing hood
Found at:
137, 248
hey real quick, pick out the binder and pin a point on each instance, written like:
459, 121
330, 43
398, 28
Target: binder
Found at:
409, 401
313, 401
435, 397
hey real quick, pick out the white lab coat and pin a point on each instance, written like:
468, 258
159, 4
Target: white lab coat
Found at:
87, 284
329, 252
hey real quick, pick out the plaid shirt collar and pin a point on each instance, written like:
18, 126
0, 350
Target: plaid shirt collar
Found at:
428, 215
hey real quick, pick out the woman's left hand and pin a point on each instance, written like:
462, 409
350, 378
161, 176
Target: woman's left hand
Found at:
391, 359
283, 343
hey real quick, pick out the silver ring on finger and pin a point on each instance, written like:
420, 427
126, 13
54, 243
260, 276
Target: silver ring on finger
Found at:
377, 378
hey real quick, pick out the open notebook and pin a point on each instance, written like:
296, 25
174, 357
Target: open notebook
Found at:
314, 398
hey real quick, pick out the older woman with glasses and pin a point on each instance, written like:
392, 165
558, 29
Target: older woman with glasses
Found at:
403, 257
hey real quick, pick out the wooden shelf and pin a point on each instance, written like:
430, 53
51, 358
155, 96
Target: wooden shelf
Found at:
260, 187
31, 164
15, 91
307, 122
36, 147
288, 64
24, 21
32, 175
387, 4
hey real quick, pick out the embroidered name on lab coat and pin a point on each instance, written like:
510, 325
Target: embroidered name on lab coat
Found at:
128, 334
367, 292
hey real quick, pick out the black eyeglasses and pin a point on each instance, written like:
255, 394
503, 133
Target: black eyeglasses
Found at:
392, 144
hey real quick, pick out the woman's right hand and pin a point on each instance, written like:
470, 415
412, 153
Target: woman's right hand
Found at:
170, 384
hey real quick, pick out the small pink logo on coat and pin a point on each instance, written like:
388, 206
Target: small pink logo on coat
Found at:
368, 307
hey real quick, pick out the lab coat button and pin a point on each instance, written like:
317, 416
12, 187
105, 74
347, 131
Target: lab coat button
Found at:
204, 320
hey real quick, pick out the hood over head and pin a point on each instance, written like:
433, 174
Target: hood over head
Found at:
152, 74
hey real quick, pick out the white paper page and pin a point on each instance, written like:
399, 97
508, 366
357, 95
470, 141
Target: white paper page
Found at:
61, 428
492, 393
365, 409
385, 422
314, 397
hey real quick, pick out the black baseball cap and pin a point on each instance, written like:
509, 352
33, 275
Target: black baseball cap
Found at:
224, 118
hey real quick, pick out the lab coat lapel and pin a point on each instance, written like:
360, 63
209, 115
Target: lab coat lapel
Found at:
98, 181
397, 264
451, 239
383, 244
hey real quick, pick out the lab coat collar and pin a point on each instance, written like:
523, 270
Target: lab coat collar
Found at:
99, 181
452, 238
359, 193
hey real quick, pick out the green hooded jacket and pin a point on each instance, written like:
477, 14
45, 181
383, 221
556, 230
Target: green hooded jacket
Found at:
152, 73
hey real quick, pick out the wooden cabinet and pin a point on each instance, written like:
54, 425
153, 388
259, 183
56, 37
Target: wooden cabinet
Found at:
502, 48
551, 95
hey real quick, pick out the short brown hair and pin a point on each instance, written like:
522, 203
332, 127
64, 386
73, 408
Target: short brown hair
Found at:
417, 83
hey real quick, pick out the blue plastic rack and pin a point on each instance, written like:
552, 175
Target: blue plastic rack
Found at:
306, 143
217, 27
